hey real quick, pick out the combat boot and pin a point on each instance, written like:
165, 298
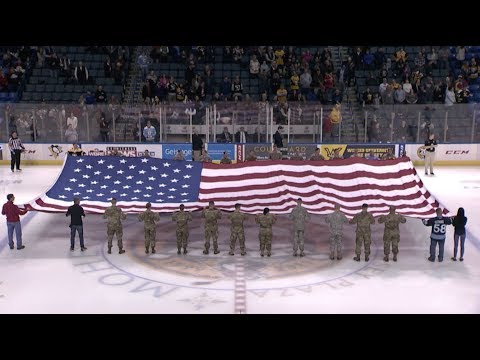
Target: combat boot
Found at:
332, 256
295, 254
146, 250
243, 253
216, 251
269, 254
367, 258
153, 250
261, 254
205, 252
179, 251
231, 253
357, 258
121, 251
385, 258
339, 257
185, 251
394, 257
302, 254
109, 249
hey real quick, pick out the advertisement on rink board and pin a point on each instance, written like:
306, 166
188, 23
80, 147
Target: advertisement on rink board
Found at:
360, 150
446, 152
56, 152
170, 150
216, 151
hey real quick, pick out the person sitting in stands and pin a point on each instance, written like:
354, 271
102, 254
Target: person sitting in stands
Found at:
75, 150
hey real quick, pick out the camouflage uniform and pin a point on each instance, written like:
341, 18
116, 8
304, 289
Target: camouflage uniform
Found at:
275, 155
391, 233
299, 215
265, 234
205, 158
182, 218
211, 228
114, 216
237, 218
149, 218
336, 221
296, 157
317, 157
363, 233
225, 161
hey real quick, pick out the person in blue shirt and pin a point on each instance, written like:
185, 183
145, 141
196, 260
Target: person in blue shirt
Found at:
439, 225
459, 223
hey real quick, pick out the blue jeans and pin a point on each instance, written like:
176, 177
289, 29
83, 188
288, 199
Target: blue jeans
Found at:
73, 229
433, 246
462, 244
18, 233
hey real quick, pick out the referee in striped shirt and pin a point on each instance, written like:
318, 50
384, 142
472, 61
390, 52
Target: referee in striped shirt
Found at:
16, 147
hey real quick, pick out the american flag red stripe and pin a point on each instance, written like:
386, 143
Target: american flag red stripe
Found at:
278, 184
349, 182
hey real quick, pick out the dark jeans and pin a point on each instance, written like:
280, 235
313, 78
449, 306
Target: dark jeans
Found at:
78, 228
433, 246
15, 159
456, 237
104, 136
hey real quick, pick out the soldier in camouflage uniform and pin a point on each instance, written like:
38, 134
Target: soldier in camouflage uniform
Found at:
363, 234
265, 220
225, 159
237, 218
179, 155
251, 156
296, 156
149, 218
182, 218
299, 215
316, 155
391, 233
275, 154
336, 221
205, 157
211, 215
114, 216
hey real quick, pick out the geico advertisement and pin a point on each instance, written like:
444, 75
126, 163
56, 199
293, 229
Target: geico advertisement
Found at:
170, 150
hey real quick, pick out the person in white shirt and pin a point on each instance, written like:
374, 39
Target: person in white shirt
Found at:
72, 120
149, 132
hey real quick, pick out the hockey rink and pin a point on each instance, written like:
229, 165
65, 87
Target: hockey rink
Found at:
46, 277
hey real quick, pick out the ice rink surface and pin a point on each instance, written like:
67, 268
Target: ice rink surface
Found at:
46, 277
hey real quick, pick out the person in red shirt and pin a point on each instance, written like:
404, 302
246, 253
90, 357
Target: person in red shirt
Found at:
13, 213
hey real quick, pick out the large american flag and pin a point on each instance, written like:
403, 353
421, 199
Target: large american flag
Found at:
255, 185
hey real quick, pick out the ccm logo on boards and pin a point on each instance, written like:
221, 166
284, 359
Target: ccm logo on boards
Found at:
456, 152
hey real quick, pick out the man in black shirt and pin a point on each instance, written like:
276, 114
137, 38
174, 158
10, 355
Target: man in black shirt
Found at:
76, 212
278, 138
197, 145
430, 144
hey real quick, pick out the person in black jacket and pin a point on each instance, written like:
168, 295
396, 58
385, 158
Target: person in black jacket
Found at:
459, 223
76, 224
197, 145
278, 138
